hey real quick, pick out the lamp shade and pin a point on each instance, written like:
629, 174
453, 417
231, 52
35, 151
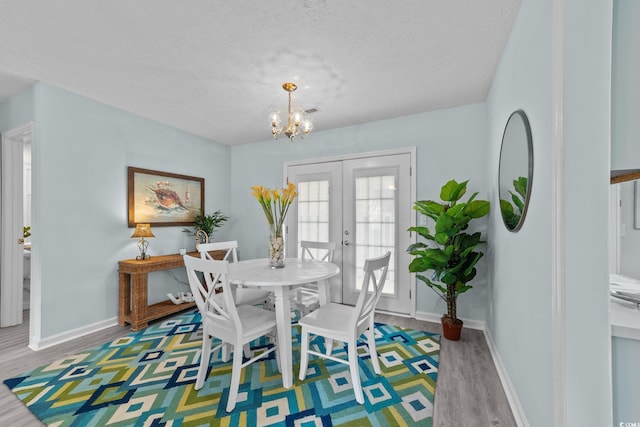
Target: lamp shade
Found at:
142, 230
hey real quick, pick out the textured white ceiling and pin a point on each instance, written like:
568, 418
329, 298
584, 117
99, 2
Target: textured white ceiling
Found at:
214, 67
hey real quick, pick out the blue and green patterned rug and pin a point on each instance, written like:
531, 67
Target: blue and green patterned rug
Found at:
146, 379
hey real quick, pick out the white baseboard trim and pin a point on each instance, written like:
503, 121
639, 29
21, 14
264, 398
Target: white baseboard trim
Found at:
41, 344
509, 390
393, 313
435, 318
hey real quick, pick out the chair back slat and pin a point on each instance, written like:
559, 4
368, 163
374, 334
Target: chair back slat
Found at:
372, 286
215, 275
231, 247
323, 250
231, 255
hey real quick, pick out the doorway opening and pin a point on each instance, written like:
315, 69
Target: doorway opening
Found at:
15, 220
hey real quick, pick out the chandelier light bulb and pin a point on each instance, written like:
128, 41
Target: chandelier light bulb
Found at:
296, 117
307, 125
274, 117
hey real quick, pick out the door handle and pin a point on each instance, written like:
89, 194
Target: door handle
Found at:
21, 241
346, 242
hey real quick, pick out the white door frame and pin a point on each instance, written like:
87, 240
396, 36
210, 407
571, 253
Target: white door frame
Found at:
412, 193
12, 251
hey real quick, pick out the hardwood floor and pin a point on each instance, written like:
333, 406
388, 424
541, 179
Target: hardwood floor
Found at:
468, 391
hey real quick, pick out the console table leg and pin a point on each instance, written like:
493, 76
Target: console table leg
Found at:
124, 298
139, 298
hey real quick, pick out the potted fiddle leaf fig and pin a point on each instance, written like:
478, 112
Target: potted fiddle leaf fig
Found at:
452, 253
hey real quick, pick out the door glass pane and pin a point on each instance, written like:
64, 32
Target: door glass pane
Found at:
388, 187
375, 224
313, 212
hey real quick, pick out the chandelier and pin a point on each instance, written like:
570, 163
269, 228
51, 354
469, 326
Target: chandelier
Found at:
298, 123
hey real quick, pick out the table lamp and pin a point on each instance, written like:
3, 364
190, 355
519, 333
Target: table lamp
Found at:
142, 231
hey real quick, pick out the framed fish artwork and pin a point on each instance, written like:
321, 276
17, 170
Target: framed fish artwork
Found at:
163, 199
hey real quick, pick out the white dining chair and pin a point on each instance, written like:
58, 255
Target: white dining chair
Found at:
251, 296
346, 323
236, 325
305, 299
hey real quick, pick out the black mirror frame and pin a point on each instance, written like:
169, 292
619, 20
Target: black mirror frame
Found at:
527, 126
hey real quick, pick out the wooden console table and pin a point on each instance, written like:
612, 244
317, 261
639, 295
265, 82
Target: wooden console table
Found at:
133, 285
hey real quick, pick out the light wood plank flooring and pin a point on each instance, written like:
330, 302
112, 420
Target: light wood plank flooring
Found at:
468, 391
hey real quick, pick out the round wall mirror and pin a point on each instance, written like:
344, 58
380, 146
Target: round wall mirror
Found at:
516, 170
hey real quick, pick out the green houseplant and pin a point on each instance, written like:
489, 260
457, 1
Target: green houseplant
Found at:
509, 213
207, 224
452, 253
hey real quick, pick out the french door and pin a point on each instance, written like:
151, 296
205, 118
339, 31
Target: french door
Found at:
364, 204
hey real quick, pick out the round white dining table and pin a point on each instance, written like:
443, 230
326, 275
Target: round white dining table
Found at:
256, 272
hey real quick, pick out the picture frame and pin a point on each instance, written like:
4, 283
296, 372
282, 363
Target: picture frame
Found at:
163, 199
636, 205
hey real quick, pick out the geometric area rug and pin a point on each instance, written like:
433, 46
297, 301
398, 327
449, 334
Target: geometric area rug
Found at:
147, 378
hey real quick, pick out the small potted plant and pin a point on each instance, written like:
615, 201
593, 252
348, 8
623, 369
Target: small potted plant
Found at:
452, 254
205, 225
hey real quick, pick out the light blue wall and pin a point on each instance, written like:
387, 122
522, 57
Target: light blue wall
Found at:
587, 172
625, 107
450, 144
520, 264
626, 403
80, 157
17, 111
625, 154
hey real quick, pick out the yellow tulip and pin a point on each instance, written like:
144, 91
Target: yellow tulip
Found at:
275, 204
257, 191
